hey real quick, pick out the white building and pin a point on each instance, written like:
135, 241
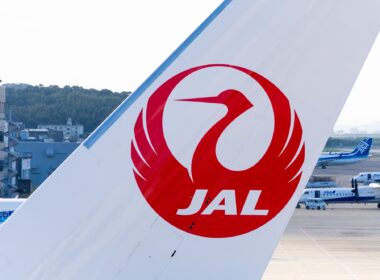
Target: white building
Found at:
69, 130
8, 156
3, 144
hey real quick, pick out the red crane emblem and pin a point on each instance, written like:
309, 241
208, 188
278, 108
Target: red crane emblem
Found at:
215, 201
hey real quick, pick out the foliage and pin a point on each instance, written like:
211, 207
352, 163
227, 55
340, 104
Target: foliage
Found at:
336, 144
34, 105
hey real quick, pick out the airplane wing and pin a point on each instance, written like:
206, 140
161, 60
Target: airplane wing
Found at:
196, 174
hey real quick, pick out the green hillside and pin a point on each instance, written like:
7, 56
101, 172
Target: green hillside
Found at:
34, 105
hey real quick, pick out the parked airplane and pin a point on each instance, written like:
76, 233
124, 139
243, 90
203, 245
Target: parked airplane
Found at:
367, 177
358, 194
8, 206
360, 153
174, 184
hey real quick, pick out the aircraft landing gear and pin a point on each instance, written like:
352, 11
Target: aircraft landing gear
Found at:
323, 166
378, 205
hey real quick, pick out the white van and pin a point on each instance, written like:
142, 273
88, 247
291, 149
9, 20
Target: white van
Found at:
367, 177
315, 203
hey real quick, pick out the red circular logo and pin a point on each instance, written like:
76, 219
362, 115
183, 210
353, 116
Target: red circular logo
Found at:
215, 201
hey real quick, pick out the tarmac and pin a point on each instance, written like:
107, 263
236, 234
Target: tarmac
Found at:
342, 242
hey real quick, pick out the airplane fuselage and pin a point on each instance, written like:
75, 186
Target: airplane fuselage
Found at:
339, 159
366, 194
361, 152
7, 207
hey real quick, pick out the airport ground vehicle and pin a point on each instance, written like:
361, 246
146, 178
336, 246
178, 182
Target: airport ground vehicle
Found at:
315, 203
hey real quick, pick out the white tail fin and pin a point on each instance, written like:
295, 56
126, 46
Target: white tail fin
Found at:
196, 175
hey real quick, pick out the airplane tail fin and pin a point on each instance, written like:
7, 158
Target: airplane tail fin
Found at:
364, 147
130, 202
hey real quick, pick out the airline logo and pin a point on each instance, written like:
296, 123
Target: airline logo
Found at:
362, 147
5, 215
208, 198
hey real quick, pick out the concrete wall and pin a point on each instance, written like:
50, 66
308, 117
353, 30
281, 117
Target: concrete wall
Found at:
46, 157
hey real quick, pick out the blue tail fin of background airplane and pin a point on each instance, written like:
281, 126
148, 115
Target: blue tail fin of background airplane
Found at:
363, 148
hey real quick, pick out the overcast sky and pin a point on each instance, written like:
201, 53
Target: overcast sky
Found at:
116, 44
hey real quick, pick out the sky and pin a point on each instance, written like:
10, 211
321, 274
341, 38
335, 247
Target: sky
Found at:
117, 44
